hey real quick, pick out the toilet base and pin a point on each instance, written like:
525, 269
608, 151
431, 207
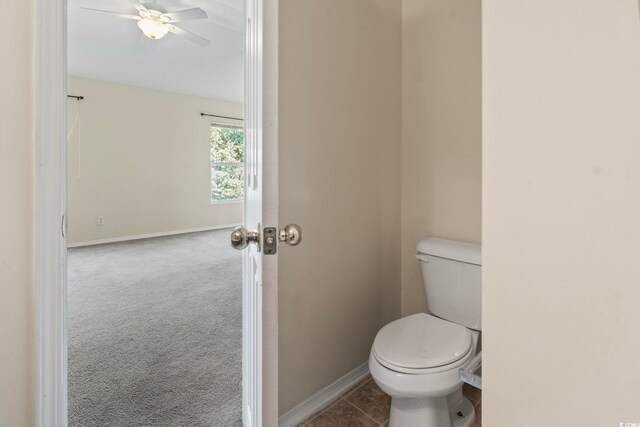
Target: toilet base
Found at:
431, 412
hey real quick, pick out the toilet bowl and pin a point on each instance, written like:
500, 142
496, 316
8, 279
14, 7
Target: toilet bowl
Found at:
417, 359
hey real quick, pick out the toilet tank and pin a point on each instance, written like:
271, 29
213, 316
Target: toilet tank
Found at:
452, 278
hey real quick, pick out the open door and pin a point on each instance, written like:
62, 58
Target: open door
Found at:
253, 220
260, 236
259, 244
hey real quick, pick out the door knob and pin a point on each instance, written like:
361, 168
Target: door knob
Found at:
291, 234
240, 238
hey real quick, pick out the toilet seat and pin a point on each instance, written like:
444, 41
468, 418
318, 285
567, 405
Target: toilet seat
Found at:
421, 344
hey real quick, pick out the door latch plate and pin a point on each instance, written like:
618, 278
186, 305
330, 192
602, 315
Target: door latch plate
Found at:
270, 240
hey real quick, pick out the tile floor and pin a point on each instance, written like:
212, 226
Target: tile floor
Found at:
367, 406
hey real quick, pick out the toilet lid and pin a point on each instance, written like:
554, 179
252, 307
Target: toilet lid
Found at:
421, 341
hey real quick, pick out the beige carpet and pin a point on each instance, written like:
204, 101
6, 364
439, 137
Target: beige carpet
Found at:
155, 333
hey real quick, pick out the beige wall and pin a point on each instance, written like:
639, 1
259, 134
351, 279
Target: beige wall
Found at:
339, 179
561, 211
441, 130
142, 162
16, 217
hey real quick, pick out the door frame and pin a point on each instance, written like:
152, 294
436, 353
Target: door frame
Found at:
49, 103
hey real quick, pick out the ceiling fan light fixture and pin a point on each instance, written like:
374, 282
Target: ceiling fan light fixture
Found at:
155, 22
153, 28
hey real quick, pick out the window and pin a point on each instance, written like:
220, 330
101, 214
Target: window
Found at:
226, 144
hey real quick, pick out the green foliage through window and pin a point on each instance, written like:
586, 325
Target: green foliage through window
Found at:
227, 163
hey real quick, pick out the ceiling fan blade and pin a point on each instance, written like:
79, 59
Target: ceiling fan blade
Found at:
189, 35
185, 15
121, 15
139, 6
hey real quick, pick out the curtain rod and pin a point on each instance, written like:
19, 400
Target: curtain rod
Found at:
77, 97
220, 117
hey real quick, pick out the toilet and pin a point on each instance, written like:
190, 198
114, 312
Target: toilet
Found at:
416, 360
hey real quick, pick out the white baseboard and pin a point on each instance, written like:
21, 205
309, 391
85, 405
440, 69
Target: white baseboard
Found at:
324, 397
146, 236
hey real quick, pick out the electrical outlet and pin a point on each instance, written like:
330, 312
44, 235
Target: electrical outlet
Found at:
100, 220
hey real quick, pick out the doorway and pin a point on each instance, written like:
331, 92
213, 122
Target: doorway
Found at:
154, 184
51, 237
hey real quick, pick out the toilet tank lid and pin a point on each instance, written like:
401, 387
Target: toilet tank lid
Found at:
470, 253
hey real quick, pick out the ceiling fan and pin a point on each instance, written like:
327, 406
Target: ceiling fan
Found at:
155, 22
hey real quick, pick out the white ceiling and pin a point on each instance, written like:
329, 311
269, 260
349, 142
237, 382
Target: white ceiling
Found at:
105, 47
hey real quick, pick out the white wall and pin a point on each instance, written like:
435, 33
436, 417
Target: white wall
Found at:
561, 212
16, 216
141, 160
441, 130
339, 166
